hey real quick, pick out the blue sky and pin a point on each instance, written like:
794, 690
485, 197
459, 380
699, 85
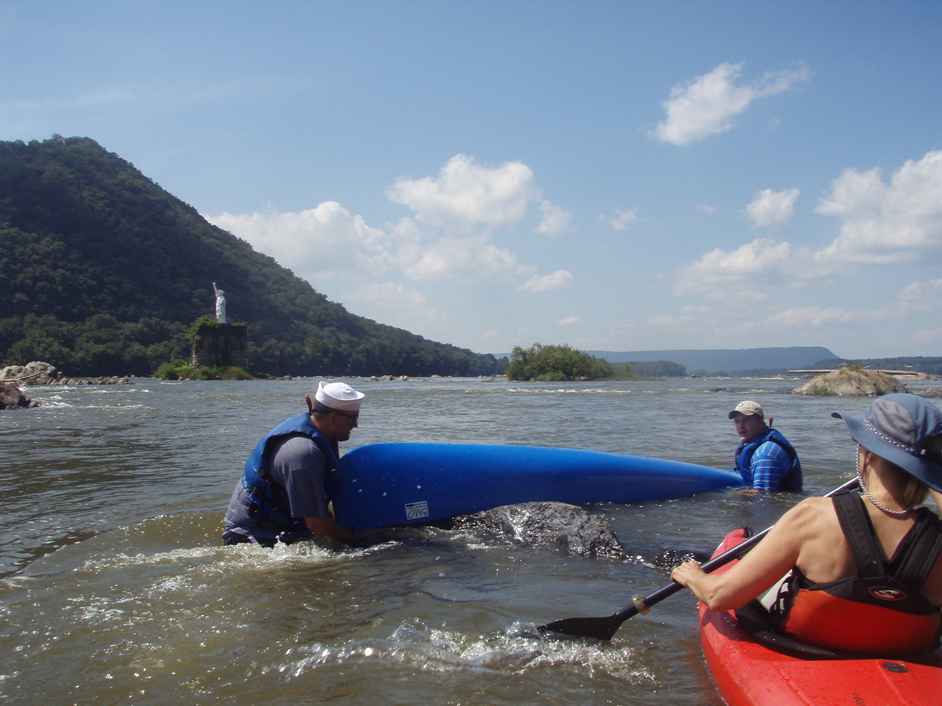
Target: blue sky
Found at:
614, 176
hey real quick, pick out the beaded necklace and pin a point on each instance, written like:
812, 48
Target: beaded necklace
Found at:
876, 503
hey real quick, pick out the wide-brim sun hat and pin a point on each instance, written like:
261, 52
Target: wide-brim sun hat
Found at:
898, 427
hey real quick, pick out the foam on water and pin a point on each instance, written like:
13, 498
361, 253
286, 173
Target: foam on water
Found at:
567, 391
515, 650
243, 557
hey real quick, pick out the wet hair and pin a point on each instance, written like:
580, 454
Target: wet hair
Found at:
914, 491
320, 410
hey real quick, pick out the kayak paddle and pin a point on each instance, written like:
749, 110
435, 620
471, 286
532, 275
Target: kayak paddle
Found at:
605, 628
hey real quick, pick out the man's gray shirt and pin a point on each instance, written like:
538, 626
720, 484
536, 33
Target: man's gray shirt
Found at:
297, 470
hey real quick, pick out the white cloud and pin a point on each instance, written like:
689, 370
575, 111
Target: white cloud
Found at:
389, 294
546, 283
816, 316
555, 219
886, 222
394, 304
448, 256
449, 235
755, 264
468, 193
622, 218
772, 207
707, 105
921, 296
318, 242
457, 212
568, 321
707, 209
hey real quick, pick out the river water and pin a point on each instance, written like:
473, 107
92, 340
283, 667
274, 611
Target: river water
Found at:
114, 587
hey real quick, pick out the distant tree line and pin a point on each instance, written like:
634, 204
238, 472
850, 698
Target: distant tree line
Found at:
657, 369
919, 364
555, 363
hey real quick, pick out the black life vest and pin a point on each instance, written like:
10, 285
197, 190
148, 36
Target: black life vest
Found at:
879, 611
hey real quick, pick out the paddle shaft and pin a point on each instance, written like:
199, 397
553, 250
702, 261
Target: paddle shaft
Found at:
642, 604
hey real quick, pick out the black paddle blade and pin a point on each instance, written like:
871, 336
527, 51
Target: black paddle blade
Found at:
597, 628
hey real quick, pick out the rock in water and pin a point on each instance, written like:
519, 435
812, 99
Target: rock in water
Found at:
12, 396
850, 382
546, 524
34, 373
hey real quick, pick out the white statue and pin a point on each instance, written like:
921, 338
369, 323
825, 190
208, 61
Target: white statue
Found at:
220, 304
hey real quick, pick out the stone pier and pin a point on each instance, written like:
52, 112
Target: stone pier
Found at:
221, 345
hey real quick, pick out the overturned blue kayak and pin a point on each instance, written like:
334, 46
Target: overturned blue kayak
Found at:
385, 485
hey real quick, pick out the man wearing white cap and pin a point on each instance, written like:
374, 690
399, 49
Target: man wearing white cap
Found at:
765, 459
281, 496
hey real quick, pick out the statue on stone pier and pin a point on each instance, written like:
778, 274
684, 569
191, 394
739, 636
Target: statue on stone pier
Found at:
220, 304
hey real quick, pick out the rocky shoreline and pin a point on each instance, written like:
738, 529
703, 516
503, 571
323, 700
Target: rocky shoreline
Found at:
40, 373
13, 377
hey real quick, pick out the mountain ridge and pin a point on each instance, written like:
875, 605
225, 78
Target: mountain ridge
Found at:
728, 360
103, 270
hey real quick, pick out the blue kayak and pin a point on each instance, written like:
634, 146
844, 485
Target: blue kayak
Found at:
385, 485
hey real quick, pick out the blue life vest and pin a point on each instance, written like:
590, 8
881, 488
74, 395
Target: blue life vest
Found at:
746, 450
268, 507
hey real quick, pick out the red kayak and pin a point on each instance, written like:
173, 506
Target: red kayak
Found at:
748, 673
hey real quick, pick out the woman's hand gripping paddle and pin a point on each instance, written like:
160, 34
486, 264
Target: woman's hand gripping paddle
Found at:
605, 628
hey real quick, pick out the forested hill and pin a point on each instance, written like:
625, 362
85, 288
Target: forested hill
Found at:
102, 271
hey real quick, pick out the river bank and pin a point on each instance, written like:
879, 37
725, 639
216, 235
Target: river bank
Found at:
39, 373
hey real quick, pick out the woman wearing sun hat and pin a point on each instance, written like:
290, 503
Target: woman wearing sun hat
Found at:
862, 572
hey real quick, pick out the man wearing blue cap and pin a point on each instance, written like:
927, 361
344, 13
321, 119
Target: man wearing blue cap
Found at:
281, 496
765, 459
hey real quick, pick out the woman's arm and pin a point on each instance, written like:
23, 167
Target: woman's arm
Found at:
760, 568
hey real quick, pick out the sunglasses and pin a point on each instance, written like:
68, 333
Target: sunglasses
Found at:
352, 417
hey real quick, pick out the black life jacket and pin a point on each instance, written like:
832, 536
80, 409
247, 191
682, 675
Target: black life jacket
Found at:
879, 611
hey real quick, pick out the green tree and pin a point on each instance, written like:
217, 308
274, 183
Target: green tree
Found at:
555, 363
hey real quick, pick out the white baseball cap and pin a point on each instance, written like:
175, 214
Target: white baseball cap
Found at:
747, 408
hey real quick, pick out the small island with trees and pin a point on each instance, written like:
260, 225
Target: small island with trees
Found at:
218, 353
555, 364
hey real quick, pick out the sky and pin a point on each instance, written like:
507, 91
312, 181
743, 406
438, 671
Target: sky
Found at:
607, 175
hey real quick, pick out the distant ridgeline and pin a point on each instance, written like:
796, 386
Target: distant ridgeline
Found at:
918, 364
656, 369
743, 361
103, 271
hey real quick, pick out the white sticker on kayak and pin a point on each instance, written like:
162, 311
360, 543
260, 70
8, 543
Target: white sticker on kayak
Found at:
417, 511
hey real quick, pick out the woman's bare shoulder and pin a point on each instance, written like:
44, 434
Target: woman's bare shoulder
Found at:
811, 507
810, 516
